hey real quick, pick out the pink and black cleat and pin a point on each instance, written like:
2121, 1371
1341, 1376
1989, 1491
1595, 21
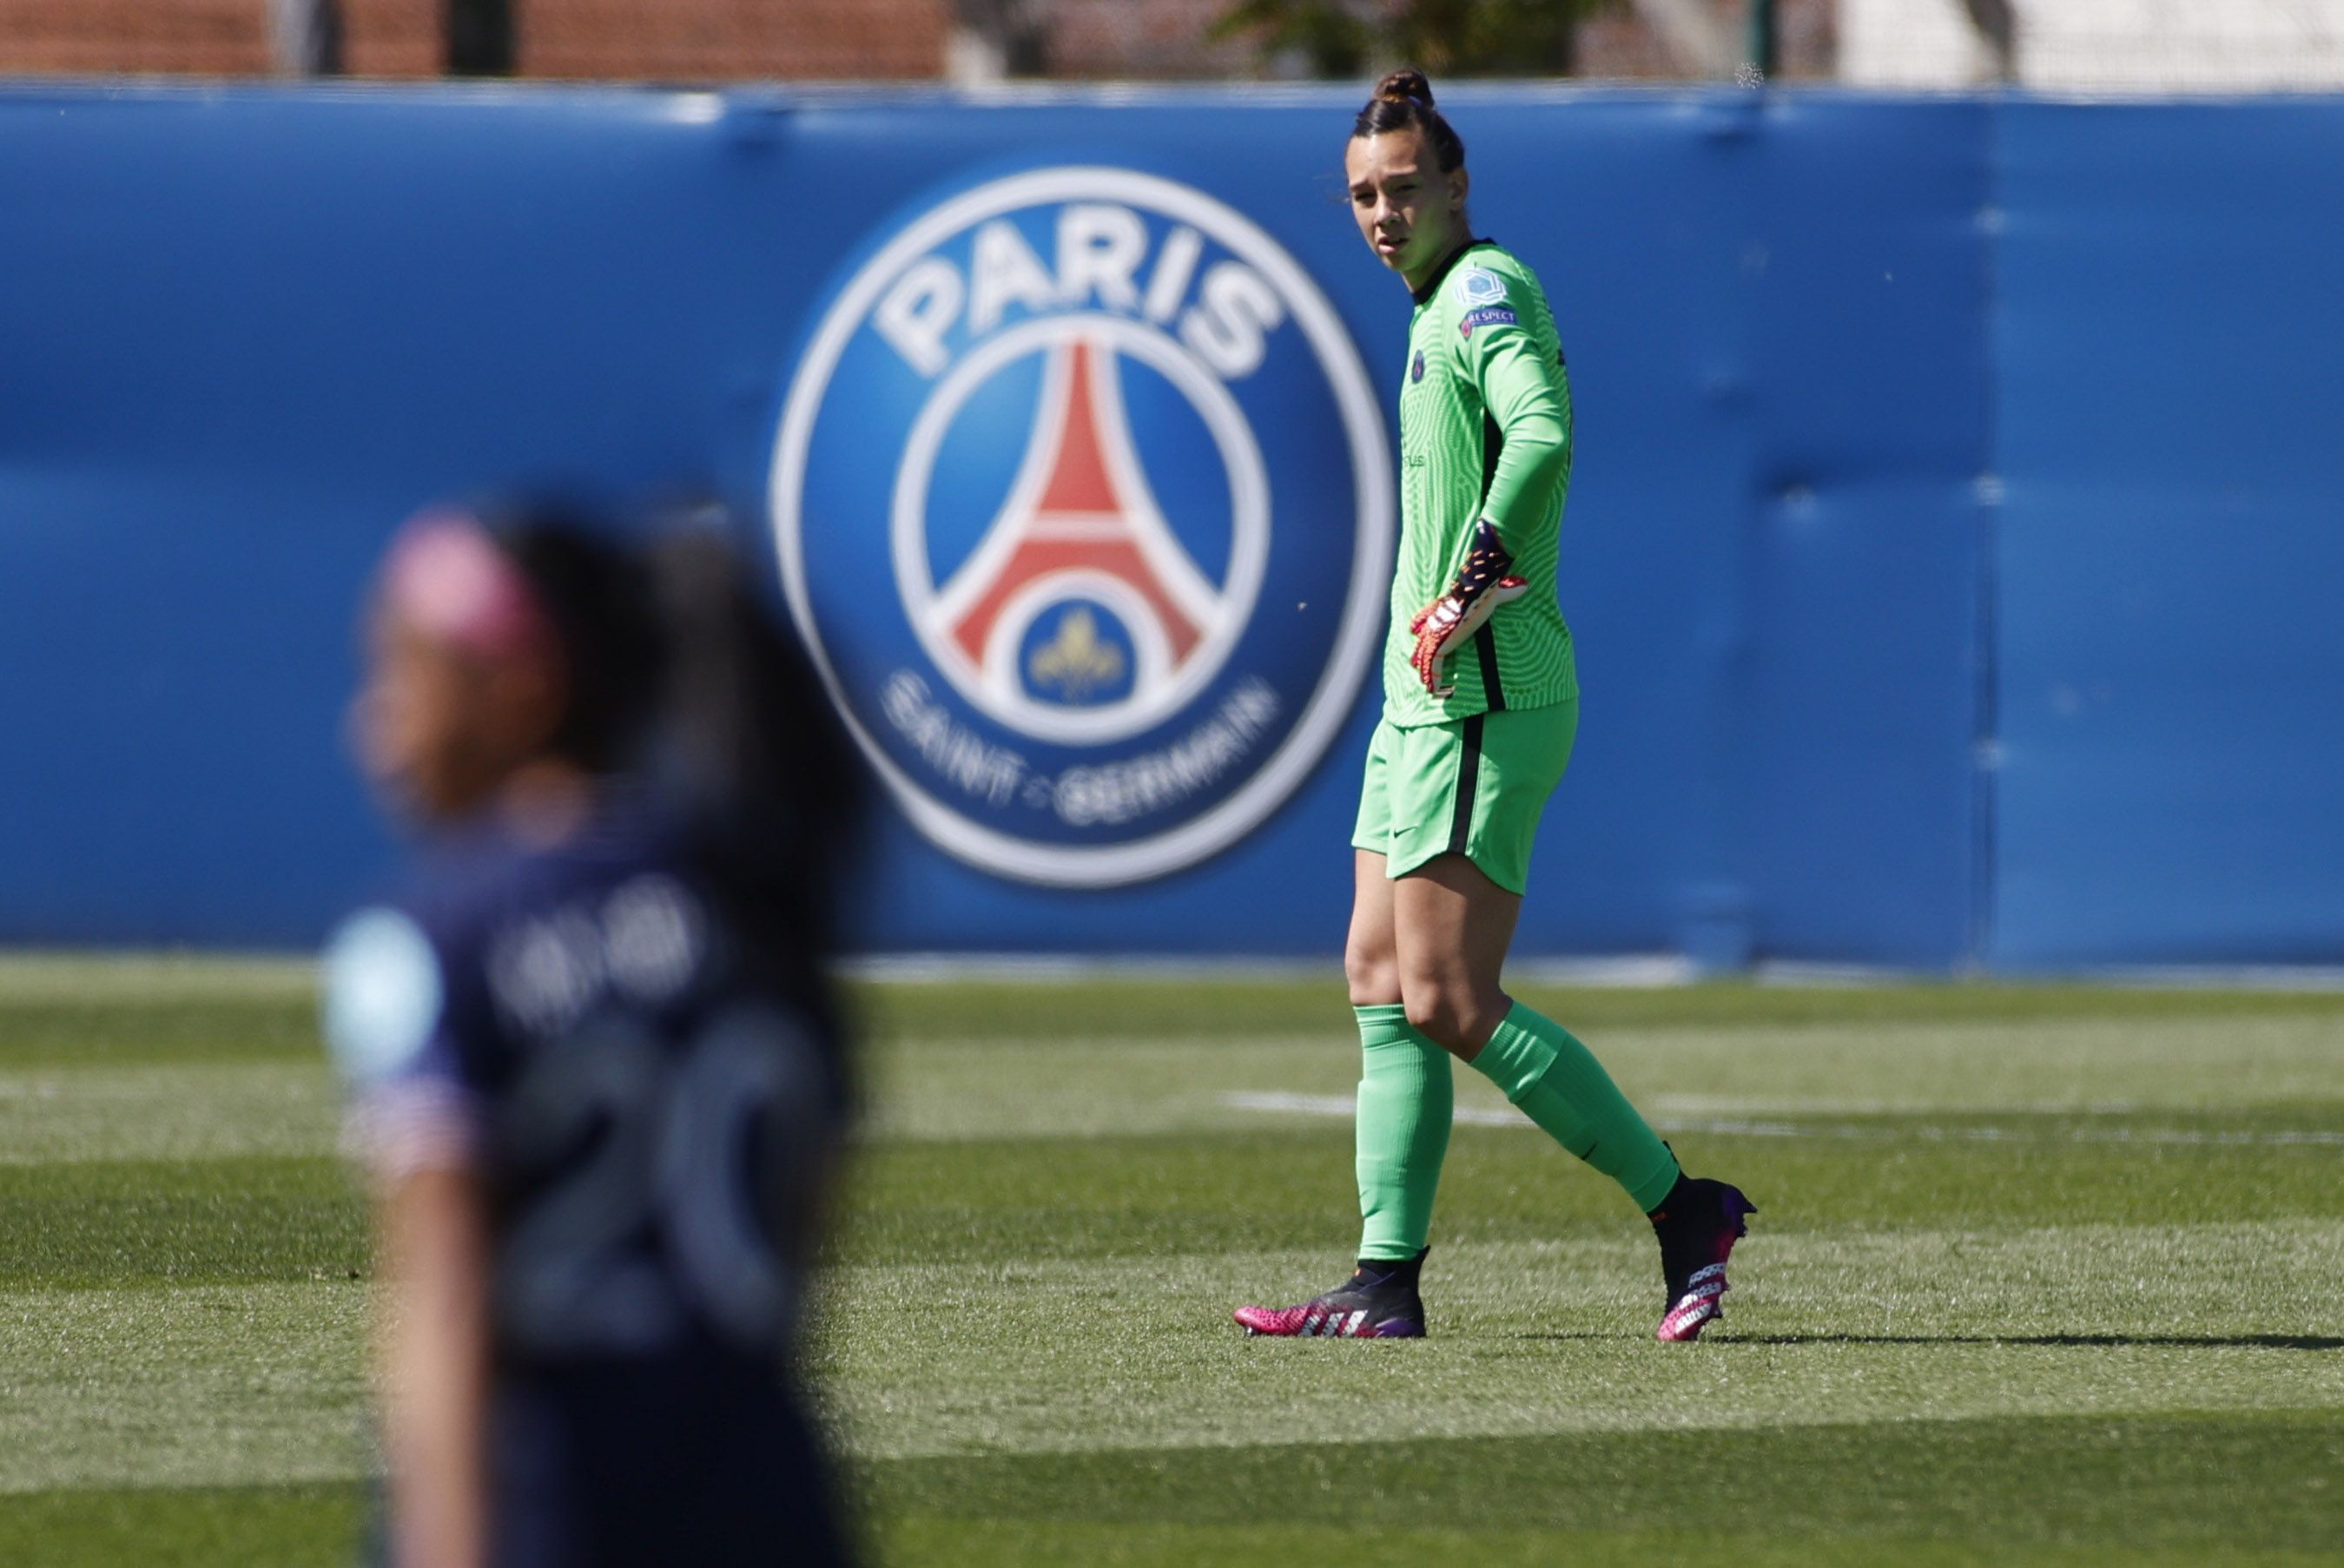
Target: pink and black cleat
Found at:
1378, 1302
1697, 1227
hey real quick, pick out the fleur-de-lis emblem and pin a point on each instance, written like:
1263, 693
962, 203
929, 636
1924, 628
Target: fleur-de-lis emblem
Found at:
1076, 661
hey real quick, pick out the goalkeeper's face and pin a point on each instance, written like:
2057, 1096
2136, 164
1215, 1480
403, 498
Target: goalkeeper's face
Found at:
1409, 211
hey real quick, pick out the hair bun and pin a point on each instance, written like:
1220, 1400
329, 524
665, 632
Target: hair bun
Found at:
1401, 87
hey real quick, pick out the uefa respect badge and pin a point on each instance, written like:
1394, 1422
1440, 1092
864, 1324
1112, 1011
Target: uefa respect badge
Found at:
1084, 509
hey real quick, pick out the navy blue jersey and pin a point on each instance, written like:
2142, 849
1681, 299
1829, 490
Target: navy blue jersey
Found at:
648, 1096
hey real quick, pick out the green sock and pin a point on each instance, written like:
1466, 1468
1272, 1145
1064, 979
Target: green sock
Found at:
1402, 1128
1558, 1084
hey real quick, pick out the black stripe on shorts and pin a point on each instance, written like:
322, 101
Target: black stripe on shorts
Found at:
1468, 774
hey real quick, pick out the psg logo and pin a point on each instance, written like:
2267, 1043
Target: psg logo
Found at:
1084, 509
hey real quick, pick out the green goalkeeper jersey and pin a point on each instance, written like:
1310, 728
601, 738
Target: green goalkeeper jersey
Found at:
1484, 432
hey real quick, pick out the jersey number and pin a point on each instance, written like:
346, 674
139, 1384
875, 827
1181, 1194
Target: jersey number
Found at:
617, 1138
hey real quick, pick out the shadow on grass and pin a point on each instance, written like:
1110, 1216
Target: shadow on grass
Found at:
2096, 1489
2159, 1342
2099, 1342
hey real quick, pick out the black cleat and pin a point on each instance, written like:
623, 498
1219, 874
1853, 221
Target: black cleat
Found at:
1697, 1226
1378, 1302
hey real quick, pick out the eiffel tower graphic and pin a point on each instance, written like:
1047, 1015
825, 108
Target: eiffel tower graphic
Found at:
1080, 522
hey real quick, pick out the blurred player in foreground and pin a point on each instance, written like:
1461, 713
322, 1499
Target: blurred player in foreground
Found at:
595, 1073
1481, 708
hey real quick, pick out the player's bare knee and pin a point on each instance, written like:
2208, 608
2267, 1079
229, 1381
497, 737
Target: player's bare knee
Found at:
1372, 970
1434, 1012
1456, 1016
1374, 981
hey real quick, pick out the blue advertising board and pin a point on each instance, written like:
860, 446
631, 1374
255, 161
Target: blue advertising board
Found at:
1064, 423
2170, 678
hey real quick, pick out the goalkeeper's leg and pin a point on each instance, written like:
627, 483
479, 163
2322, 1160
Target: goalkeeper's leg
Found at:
1453, 926
1401, 1134
1401, 1129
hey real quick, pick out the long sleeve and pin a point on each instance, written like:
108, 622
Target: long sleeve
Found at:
1528, 400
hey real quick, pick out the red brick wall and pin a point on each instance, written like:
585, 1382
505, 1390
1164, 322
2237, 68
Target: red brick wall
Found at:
702, 39
690, 40
393, 37
685, 40
224, 38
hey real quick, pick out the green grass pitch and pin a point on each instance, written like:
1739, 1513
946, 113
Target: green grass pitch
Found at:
2041, 1275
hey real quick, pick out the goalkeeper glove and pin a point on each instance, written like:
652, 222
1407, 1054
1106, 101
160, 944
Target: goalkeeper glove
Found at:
1448, 622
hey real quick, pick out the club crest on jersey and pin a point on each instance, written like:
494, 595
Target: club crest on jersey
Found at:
1416, 369
1081, 497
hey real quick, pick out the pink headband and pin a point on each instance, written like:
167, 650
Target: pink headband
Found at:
445, 576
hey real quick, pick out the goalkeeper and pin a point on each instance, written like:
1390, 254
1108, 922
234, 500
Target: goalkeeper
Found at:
1480, 707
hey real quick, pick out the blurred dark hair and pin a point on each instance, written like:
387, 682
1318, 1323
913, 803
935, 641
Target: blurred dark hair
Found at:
591, 590
1403, 101
682, 680
750, 745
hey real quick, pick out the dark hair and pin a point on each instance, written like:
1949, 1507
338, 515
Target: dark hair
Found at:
1403, 101
749, 747
590, 588
682, 680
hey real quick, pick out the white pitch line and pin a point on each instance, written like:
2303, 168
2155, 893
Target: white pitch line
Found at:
1338, 1105
1344, 1106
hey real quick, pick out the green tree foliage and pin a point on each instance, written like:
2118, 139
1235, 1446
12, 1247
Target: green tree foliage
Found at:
1441, 37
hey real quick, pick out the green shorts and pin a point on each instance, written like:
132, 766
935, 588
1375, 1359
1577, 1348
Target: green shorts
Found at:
1472, 787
